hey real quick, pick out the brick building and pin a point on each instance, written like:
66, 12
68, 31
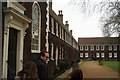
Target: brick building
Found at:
99, 48
31, 27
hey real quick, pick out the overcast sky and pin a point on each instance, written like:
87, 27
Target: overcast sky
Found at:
82, 25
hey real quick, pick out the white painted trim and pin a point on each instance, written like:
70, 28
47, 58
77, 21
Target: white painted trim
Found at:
16, 6
16, 21
39, 42
47, 29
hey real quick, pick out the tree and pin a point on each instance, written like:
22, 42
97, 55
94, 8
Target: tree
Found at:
110, 20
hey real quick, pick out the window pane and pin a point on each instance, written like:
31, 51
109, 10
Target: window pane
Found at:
110, 55
35, 27
115, 55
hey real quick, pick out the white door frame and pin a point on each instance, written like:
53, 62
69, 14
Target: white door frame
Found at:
19, 22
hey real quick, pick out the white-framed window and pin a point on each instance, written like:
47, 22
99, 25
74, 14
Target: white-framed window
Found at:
36, 28
62, 34
102, 47
110, 55
86, 47
115, 55
110, 47
60, 52
115, 47
81, 47
56, 55
92, 47
81, 55
52, 51
60, 31
52, 22
56, 29
102, 55
97, 47
65, 36
62, 49
97, 55
86, 54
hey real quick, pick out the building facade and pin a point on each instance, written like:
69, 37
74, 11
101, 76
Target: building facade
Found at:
32, 27
99, 48
0, 39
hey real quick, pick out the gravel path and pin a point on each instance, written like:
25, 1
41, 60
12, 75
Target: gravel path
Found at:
94, 70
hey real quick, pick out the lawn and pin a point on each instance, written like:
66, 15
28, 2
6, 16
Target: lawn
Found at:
113, 64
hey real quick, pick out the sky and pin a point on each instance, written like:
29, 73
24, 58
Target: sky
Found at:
81, 24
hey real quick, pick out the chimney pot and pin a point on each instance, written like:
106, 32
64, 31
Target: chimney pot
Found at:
67, 25
60, 15
59, 12
66, 22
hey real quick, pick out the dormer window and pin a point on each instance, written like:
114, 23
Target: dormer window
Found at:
102, 47
92, 47
110, 47
115, 47
97, 47
81, 47
86, 47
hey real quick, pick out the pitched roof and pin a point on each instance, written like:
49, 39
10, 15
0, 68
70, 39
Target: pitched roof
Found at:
98, 40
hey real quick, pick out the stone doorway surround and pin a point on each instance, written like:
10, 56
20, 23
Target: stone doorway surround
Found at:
14, 18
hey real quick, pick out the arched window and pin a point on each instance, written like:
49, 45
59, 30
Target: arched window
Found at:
36, 28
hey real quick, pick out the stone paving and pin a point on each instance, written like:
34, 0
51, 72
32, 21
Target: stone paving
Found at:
93, 71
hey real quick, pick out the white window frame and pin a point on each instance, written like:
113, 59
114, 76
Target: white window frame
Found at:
97, 47
56, 55
60, 52
115, 47
110, 47
86, 55
81, 47
52, 51
102, 47
81, 55
92, 47
115, 55
86, 47
56, 29
62, 34
102, 55
110, 55
60, 31
97, 55
52, 22
35, 4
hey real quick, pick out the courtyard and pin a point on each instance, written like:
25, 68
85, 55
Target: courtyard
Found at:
93, 71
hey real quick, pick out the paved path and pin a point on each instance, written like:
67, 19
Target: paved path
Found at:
93, 71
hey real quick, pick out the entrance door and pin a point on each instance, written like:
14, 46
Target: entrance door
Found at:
93, 56
12, 50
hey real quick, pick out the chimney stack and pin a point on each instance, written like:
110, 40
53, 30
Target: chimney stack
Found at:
67, 25
60, 15
71, 32
50, 4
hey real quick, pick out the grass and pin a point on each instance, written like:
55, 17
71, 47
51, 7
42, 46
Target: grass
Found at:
115, 65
